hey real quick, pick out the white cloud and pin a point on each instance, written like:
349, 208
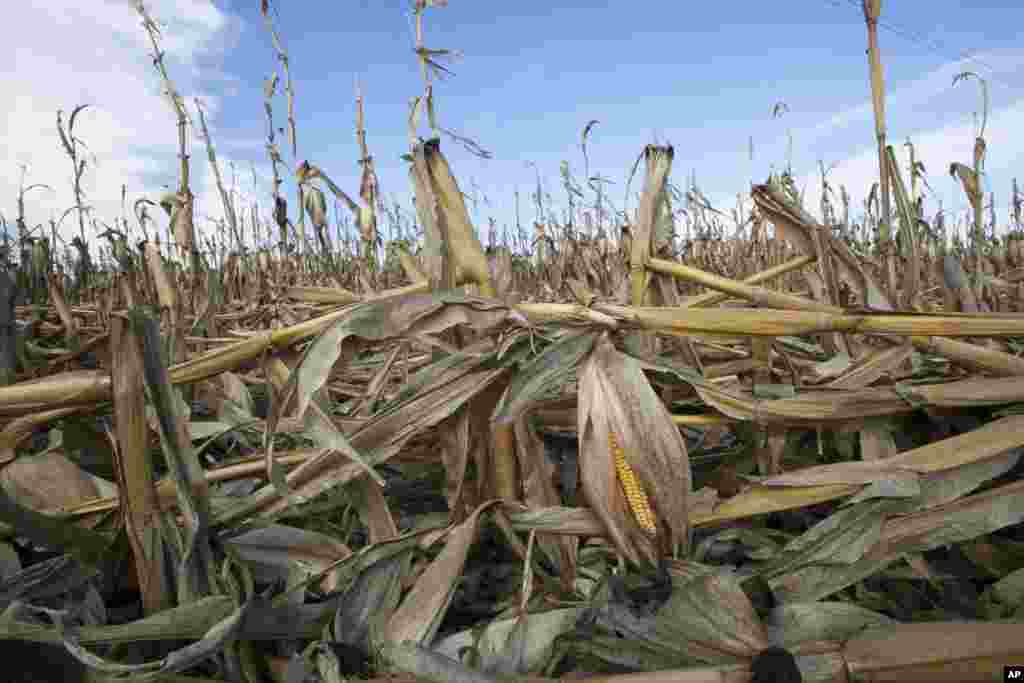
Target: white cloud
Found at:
933, 113
937, 149
938, 118
930, 95
66, 55
70, 53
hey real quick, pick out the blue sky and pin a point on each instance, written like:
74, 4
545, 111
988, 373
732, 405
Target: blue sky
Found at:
703, 76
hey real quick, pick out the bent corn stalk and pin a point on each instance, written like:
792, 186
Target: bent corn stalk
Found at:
922, 333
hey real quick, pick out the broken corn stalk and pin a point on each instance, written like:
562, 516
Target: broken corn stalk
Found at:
632, 487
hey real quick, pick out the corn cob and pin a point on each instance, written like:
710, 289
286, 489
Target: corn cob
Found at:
632, 487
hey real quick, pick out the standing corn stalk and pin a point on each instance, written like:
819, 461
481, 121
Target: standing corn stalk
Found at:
280, 203
225, 198
316, 205
970, 178
70, 143
179, 205
369, 192
289, 89
872, 10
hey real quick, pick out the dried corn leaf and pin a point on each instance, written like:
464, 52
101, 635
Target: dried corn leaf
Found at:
421, 612
798, 227
18, 430
985, 442
48, 481
877, 442
453, 435
543, 376
322, 431
908, 230
453, 383
872, 367
658, 165
539, 492
63, 311
88, 547
414, 315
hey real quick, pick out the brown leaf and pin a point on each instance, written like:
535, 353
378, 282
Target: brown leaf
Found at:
539, 492
47, 482
796, 226
420, 614
985, 442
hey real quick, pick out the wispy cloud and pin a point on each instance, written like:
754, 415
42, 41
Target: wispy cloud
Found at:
917, 102
936, 149
68, 53
96, 53
934, 115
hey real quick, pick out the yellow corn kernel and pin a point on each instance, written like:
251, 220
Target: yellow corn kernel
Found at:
632, 487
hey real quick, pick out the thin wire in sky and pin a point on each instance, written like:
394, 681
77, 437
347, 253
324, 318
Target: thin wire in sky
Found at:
934, 46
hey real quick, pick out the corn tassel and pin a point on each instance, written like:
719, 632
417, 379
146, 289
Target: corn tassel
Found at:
631, 486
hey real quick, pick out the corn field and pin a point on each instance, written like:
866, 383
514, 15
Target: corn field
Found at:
661, 442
